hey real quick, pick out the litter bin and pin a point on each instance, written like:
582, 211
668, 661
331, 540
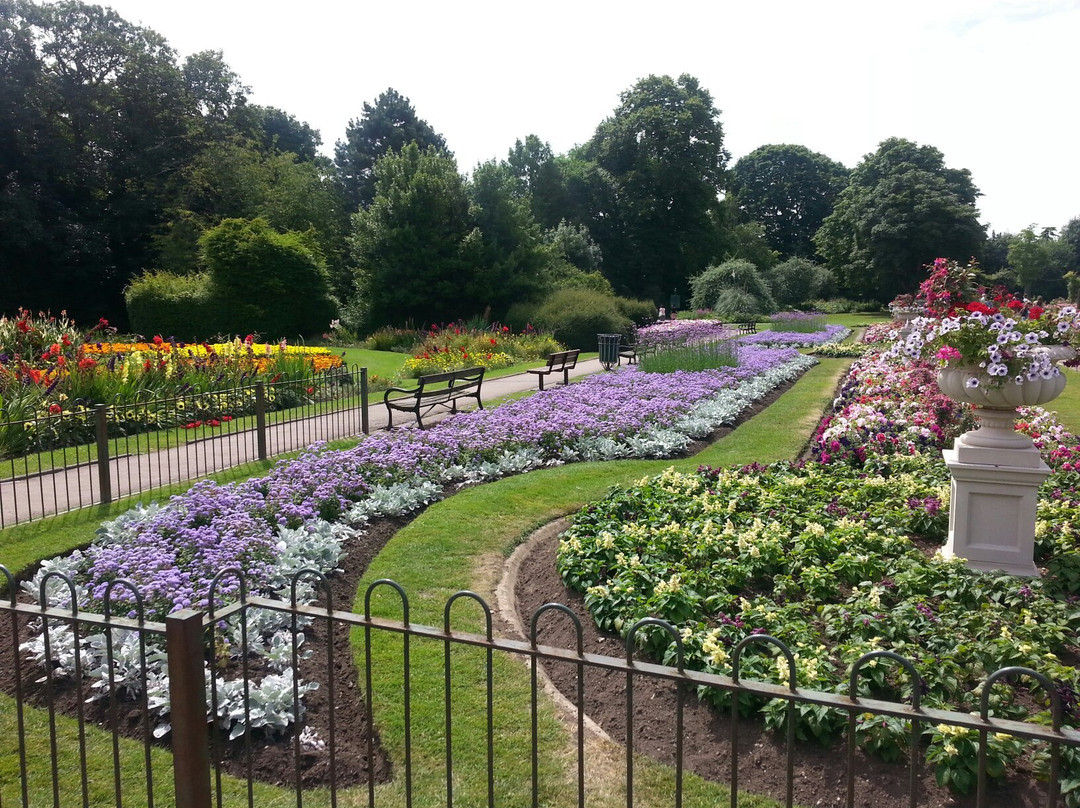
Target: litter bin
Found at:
609, 349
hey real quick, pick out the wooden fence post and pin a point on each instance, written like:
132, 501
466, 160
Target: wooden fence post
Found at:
187, 714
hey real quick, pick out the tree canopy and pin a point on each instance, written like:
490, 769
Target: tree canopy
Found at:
663, 150
415, 247
389, 124
789, 190
901, 209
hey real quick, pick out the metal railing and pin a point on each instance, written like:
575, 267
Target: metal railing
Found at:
59, 763
93, 456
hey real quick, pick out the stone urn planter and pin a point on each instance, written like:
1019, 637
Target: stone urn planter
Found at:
996, 471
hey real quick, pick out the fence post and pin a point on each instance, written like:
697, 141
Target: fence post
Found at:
260, 418
187, 696
364, 425
101, 432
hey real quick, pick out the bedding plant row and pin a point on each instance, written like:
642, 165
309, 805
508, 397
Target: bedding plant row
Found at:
835, 557
52, 375
299, 514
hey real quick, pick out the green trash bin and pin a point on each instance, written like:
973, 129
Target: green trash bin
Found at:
609, 349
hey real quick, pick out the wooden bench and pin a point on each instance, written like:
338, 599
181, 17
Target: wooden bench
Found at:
560, 360
430, 392
629, 353
746, 328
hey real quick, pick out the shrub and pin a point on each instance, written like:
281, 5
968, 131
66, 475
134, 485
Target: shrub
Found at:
576, 316
640, 312
389, 338
180, 306
736, 304
520, 316
738, 275
270, 282
798, 280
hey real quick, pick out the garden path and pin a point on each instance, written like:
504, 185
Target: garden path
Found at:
37, 496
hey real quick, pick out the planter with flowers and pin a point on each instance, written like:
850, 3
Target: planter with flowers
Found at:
996, 352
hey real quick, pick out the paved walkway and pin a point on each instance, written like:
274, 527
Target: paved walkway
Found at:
30, 498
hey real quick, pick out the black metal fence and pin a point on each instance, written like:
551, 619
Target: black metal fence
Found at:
90, 456
70, 739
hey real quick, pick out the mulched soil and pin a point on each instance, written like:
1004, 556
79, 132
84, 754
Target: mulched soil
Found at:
819, 773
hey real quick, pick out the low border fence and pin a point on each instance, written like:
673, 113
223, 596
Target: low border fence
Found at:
35, 739
93, 456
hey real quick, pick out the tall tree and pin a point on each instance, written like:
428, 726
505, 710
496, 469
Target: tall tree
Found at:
388, 125
789, 190
663, 149
512, 257
1039, 262
901, 209
107, 122
415, 247
537, 171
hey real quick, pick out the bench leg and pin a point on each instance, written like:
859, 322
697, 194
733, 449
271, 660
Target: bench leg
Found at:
540, 378
566, 376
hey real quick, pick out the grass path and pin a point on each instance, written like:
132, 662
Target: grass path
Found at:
460, 543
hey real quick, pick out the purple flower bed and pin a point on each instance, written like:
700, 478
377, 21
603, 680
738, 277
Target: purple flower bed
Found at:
680, 332
171, 554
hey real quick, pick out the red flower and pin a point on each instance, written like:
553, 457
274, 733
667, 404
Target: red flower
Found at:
23, 326
250, 338
146, 366
214, 422
311, 390
493, 342
66, 340
86, 363
226, 418
506, 329
1036, 312
54, 409
157, 339
61, 361
1015, 305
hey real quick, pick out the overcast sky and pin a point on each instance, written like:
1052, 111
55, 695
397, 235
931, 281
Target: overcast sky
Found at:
991, 83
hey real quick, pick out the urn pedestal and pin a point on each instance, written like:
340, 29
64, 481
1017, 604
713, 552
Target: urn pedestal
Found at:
996, 473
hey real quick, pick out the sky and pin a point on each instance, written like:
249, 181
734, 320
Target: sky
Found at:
990, 83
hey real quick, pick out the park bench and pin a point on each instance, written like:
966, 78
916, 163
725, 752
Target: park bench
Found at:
435, 390
629, 353
746, 328
560, 360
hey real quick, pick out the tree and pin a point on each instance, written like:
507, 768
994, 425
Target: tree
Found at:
512, 257
1039, 262
901, 209
1070, 237
789, 190
389, 125
663, 150
277, 130
415, 248
237, 179
105, 121
540, 179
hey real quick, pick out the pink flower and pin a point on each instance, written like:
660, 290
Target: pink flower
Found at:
947, 352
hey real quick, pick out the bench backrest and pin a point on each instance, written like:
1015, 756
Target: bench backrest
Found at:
561, 359
455, 378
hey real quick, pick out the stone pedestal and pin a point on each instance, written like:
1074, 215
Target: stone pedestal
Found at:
992, 512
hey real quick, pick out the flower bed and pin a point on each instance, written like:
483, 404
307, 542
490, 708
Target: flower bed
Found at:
680, 332
821, 556
297, 515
